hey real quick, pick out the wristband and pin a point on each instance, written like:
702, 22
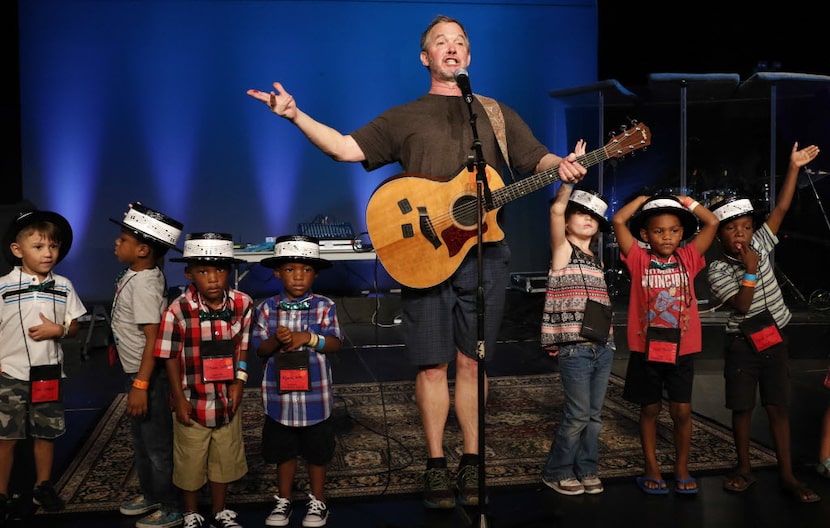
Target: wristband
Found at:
568, 184
692, 206
687, 201
751, 277
748, 284
241, 375
321, 343
66, 326
242, 365
141, 384
313, 339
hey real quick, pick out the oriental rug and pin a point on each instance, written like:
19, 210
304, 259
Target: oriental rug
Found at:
380, 448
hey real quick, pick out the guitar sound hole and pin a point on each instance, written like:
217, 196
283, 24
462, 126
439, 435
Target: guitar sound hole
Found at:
464, 211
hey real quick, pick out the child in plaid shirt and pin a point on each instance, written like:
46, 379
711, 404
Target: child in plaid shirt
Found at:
204, 337
293, 333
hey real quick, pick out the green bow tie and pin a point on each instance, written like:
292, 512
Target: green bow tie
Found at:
43, 286
289, 305
222, 315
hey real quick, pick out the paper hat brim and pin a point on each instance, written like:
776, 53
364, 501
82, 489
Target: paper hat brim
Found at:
296, 248
27, 218
663, 205
592, 204
732, 208
147, 224
209, 248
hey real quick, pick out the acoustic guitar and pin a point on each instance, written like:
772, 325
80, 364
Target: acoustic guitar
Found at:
422, 227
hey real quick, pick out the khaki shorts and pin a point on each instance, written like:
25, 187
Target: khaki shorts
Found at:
202, 454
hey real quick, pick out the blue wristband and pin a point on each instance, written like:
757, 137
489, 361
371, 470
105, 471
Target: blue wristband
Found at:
243, 365
320, 343
750, 277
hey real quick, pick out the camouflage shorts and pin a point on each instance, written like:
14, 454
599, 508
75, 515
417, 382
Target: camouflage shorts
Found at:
44, 420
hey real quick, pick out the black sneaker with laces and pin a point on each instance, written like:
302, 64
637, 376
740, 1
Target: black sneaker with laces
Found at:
45, 496
467, 482
438, 492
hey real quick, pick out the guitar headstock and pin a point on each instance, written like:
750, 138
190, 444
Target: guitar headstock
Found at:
631, 138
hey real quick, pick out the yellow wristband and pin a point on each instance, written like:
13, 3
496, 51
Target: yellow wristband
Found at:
141, 384
241, 375
313, 340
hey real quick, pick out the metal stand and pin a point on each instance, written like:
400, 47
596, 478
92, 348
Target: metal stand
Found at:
483, 199
97, 310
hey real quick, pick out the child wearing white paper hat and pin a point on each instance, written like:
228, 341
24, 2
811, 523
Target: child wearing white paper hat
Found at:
576, 328
203, 337
293, 333
744, 280
663, 332
140, 298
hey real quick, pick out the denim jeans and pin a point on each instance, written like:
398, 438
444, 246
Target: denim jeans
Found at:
152, 438
584, 369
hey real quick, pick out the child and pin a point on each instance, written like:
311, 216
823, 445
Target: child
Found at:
204, 338
292, 333
140, 298
40, 308
745, 281
664, 329
575, 276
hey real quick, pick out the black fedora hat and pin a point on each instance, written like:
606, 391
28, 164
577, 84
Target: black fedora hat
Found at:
296, 248
146, 224
208, 247
663, 204
30, 217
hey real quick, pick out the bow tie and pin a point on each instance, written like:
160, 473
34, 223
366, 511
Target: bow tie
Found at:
289, 305
662, 265
43, 286
222, 315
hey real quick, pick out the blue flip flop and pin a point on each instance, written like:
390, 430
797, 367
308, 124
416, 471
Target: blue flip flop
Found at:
686, 491
661, 489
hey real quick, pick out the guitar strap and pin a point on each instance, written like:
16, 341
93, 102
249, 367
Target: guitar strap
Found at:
491, 106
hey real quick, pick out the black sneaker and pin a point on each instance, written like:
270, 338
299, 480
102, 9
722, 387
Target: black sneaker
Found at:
467, 482
317, 513
438, 493
45, 496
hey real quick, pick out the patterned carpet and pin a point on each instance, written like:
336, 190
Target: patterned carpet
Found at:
380, 448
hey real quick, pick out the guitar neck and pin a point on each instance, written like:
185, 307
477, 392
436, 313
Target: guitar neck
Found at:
525, 186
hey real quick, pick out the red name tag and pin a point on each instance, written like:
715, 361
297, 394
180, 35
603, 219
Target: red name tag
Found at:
217, 368
662, 352
766, 337
294, 380
44, 391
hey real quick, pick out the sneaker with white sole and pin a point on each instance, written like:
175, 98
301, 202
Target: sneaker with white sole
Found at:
194, 520
281, 514
160, 519
317, 513
225, 519
568, 486
138, 506
592, 484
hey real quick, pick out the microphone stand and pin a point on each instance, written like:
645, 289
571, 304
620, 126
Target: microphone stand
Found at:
483, 199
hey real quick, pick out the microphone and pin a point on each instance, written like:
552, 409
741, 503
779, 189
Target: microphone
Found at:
462, 78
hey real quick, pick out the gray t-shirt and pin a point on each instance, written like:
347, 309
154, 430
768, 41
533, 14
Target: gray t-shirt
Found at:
139, 300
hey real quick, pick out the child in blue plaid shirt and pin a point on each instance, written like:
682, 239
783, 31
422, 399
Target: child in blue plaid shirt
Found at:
293, 332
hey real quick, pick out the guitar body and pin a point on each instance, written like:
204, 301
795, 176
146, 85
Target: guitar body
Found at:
422, 227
